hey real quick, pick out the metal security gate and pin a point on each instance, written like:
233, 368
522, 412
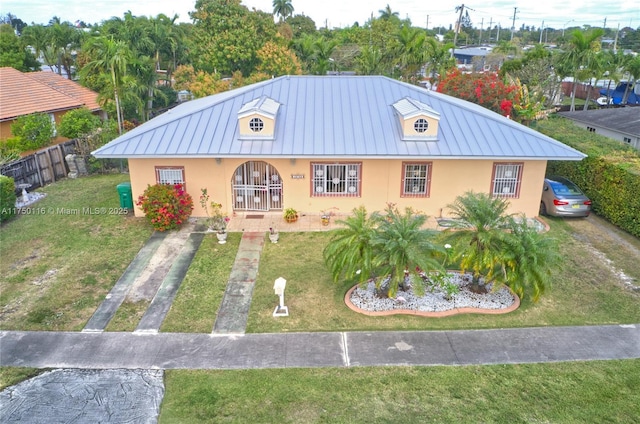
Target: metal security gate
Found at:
257, 186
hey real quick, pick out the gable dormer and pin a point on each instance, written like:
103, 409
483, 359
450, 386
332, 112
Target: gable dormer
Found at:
417, 120
257, 119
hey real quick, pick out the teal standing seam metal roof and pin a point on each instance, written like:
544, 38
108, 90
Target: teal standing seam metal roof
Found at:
334, 117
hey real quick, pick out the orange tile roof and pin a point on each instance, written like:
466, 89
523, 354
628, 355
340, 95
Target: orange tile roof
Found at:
25, 93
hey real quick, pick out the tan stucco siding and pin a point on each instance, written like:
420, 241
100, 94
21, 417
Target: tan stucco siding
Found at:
267, 130
408, 127
381, 183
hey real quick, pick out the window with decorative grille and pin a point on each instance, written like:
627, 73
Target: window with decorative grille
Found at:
416, 179
341, 179
170, 175
506, 180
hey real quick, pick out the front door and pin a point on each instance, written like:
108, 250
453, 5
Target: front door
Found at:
257, 186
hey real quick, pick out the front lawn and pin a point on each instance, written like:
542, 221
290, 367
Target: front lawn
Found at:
60, 260
570, 392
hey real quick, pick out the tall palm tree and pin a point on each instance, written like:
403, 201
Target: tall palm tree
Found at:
370, 61
110, 58
323, 49
438, 59
632, 68
580, 56
403, 249
283, 9
411, 50
477, 234
386, 14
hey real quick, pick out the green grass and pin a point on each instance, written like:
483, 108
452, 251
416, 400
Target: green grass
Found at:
584, 292
196, 304
58, 263
14, 375
573, 392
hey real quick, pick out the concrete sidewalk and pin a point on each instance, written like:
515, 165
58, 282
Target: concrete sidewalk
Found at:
285, 350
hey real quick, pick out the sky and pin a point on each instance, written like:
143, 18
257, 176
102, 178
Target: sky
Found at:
341, 13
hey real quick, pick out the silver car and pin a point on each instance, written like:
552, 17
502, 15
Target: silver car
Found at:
561, 197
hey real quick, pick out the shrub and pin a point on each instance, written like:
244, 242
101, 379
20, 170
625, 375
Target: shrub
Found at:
166, 206
78, 122
34, 131
7, 198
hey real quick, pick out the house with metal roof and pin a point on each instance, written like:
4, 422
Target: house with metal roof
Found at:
317, 142
24, 93
619, 123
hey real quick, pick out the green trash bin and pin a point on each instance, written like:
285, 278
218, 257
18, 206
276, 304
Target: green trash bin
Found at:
126, 196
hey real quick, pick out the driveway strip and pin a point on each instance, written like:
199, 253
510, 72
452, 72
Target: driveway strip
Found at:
116, 296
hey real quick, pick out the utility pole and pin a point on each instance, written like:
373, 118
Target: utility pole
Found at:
541, 30
604, 26
513, 24
498, 35
427, 21
457, 29
490, 29
615, 41
481, 27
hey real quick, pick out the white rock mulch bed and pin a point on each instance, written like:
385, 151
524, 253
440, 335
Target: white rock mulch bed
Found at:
435, 301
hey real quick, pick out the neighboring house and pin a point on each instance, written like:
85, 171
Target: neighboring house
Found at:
26, 93
619, 123
313, 143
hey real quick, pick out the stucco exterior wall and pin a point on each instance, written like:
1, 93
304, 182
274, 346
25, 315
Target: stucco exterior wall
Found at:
5, 127
381, 183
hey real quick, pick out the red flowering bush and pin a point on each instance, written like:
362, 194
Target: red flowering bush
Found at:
485, 89
166, 206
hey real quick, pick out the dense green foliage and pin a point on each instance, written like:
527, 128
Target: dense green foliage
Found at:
14, 53
33, 131
77, 123
7, 198
610, 175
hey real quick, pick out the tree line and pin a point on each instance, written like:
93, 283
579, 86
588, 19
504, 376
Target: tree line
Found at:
137, 63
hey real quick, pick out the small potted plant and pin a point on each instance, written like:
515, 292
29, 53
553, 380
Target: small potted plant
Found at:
216, 221
325, 216
290, 215
273, 235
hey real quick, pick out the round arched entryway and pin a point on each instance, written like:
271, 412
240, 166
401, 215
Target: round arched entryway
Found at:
257, 186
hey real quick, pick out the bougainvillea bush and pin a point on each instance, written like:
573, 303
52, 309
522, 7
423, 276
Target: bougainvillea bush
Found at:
166, 206
486, 89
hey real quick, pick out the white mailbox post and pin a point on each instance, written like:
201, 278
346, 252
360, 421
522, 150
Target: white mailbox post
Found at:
278, 287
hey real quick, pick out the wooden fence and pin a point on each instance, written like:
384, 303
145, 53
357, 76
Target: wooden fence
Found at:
42, 167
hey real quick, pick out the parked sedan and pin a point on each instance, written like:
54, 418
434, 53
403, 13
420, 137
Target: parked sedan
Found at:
561, 197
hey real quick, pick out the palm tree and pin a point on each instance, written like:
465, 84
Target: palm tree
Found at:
349, 254
369, 61
110, 58
438, 59
530, 260
632, 67
580, 56
411, 51
386, 14
613, 64
323, 50
282, 8
403, 249
477, 234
